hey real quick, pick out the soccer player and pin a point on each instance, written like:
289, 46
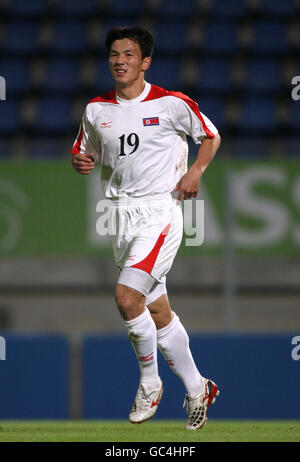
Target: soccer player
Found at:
138, 132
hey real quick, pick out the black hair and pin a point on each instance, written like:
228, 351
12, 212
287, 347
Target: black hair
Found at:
137, 34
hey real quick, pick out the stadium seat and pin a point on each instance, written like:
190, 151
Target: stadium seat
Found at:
103, 79
270, 37
220, 38
20, 37
258, 115
110, 23
215, 75
28, 7
76, 8
170, 37
176, 9
165, 72
279, 8
263, 76
61, 75
9, 117
231, 9
53, 115
214, 109
16, 74
68, 37
123, 9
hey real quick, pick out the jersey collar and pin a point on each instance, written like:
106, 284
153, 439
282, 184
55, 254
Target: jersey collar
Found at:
131, 102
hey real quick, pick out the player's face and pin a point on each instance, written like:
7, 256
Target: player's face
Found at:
126, 63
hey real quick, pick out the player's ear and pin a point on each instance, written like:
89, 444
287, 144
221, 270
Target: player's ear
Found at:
146, 63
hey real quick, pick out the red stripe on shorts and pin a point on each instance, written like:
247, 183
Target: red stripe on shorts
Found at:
148, 262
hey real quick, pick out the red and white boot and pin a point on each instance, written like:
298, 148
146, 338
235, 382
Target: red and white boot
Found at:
146, 403
197, 407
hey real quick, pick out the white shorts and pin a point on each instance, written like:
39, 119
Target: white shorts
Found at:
149, 233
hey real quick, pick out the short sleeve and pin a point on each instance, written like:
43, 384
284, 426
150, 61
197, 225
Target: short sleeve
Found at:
86, 140
187, 118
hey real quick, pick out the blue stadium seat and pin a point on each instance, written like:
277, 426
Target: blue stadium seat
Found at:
28, 7
110, 23
278, 7
258, 115
76, 7
171, 37
214, 74
270, 37
125, 8
16, 74
263, 76
232, 9
103, 79
165, 72
220, 38
53, 115
177, 8
214, 109
20, 37
69, 37
61, 75
9, 116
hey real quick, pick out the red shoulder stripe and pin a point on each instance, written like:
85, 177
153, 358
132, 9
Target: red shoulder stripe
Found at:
108, 97
158, 92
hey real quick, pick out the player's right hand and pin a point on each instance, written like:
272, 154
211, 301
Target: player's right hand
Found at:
83, 163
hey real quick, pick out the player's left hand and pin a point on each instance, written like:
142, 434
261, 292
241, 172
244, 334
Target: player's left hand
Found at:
188, 185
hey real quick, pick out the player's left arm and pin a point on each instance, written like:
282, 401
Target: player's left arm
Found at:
189, 184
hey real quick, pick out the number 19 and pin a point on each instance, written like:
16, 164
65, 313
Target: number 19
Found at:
132, 141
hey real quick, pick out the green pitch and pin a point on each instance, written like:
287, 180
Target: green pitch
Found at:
152, 431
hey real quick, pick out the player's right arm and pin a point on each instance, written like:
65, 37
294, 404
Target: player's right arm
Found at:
86, 147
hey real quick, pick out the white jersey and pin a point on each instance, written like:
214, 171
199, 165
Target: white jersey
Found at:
141, 143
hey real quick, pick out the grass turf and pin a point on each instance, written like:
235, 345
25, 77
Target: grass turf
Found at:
152, 431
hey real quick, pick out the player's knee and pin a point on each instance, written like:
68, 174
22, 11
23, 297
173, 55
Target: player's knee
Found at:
127, 303
124, 302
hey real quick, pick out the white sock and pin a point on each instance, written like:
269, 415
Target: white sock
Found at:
142, 335
173, 343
